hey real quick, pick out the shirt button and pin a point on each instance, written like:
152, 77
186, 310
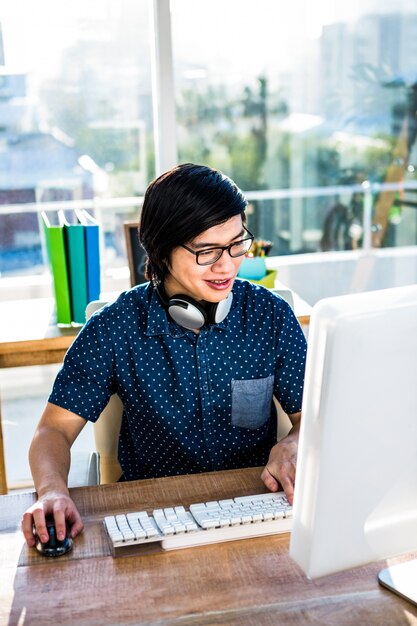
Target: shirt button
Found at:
205, 387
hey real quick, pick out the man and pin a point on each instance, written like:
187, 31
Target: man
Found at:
195, 356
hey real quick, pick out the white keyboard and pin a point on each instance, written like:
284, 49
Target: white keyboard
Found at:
203, 523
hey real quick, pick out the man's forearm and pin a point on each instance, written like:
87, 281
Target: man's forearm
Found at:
50, 459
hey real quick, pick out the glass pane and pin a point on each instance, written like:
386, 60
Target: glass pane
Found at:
75, 115
321, 94
24, 393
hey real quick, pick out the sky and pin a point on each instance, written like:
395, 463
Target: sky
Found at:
248, 35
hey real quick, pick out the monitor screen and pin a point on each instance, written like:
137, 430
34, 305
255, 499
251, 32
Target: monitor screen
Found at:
356, 485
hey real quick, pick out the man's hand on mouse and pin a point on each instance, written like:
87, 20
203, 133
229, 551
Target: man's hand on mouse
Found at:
64, 511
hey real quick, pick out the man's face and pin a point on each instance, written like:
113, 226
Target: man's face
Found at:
211, 283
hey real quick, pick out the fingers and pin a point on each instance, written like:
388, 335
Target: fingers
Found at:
60, 525
285, 483
279, 472
64, 512
34, 519
75, 523
288, 487
269, 480
27, 528
39, 523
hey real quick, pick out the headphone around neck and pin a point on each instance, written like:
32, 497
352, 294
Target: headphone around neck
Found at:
191, 314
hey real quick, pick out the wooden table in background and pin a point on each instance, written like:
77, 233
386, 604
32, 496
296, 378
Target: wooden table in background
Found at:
29, 334
245, 583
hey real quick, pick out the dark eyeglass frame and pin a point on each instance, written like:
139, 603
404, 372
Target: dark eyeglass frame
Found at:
221, 249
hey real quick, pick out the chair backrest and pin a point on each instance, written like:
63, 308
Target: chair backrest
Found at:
107, 427
85, 469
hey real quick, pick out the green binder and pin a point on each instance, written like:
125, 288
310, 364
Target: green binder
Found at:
55, 245
77, 263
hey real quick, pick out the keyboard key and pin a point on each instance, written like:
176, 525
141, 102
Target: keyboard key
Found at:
226, 504
135, 525
186, 518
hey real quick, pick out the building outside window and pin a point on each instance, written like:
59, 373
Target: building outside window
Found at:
301, 95
299, 103
75, 118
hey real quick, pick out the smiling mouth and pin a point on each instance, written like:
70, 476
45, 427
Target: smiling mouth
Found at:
218, 284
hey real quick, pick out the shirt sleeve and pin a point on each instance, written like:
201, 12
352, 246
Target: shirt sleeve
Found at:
291, 350
86, 379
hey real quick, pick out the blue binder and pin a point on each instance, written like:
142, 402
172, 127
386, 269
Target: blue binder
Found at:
92, 253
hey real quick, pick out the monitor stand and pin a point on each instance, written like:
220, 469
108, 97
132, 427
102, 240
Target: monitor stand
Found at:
401, 579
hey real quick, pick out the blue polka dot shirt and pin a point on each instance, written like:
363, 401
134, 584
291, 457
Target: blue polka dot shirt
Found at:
192, 402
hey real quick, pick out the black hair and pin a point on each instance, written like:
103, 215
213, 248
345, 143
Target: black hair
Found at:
181, 204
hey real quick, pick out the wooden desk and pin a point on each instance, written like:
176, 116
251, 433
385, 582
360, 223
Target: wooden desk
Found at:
240, 583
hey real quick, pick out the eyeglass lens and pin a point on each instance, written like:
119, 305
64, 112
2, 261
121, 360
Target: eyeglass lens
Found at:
205, 257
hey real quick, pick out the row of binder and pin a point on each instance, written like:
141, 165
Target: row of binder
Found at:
72, 242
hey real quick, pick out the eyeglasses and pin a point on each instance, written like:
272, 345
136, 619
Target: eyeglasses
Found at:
211, 255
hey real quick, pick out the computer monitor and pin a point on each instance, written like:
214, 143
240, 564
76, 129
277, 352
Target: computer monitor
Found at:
355, 496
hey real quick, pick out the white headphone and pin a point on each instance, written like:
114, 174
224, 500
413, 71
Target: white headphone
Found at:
191, 314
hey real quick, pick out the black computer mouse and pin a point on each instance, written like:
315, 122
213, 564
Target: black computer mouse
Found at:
53, 547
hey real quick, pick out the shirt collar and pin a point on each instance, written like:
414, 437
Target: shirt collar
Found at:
158, 322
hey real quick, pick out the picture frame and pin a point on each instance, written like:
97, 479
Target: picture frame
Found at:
136, 255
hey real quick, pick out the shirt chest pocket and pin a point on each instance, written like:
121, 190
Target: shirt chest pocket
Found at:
251, 402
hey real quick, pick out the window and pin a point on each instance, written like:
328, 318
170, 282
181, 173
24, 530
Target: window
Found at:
75, 119
299, 104
300, 96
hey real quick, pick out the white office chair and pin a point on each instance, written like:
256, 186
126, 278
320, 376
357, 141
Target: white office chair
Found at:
84, 470
107, 427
